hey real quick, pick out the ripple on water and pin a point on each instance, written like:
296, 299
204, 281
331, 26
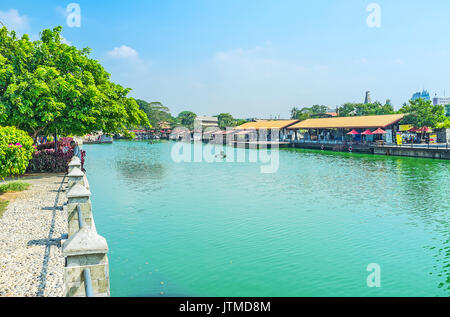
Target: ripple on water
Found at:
311, 229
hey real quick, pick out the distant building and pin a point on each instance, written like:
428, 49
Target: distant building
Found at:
203, 122
425, 95
388, 102
441, 101
367, 99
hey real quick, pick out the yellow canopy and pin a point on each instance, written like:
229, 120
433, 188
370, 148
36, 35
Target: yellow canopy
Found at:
349, 122
266, 125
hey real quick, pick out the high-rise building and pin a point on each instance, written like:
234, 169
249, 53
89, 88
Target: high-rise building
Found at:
388, 102
368, 99
425, 95
441, 100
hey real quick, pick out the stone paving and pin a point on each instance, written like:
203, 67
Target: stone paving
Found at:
31, 261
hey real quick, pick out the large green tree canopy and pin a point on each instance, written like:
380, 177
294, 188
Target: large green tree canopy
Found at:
306, 112
187, 118
156, 112
422, 113
368, 109
47, 86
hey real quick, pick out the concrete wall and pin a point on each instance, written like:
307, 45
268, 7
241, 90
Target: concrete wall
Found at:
414, 152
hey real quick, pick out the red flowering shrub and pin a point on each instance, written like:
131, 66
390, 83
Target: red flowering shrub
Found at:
45, 160
16, 149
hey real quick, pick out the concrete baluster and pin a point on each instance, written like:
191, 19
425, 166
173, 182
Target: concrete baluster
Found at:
86, 250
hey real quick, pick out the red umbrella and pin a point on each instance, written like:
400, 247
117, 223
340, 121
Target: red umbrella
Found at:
379, 131
367, 132
353, 132
425, 129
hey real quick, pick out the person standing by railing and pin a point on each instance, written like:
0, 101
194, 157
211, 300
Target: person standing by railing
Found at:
76, 149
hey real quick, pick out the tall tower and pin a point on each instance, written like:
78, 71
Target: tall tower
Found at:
368, 99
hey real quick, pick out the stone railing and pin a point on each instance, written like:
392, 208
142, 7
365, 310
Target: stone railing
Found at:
87, 269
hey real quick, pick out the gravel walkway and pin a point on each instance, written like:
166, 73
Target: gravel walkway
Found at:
31, 262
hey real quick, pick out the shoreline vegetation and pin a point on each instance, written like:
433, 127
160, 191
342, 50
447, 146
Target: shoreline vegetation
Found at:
13, 187
10, 187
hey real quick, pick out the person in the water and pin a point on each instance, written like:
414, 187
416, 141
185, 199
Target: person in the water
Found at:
222, 155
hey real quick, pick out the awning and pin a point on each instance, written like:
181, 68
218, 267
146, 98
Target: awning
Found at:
357, 122
246, 132
266, 125
209, 132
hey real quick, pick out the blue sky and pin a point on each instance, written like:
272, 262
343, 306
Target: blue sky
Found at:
256, 58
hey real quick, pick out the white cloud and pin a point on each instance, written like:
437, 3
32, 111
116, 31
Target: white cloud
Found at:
13, 20
61, 11
123, 52
65, 41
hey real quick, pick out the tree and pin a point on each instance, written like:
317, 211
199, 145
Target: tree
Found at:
346, 110
422, 113
156, 112
226, 120
365, 109
319, 109
294, 113
306, 112
239, 122
186, 119
47, 86
445, 124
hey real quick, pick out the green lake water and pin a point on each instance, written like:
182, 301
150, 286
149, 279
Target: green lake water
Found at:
310, 229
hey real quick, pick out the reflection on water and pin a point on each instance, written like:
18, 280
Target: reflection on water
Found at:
141, 168
225, 229
134, 171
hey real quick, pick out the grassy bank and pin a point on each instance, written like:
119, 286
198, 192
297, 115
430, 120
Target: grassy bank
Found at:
3, 206
13, 187
10, 188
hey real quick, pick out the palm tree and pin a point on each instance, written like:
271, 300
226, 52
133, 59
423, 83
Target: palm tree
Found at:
294, 113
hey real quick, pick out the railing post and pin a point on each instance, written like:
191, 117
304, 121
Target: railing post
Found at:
74, 162
87, 269
76, 176
79, 197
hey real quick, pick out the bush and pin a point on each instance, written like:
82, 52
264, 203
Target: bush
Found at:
63, 142
16, 150
45, 160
